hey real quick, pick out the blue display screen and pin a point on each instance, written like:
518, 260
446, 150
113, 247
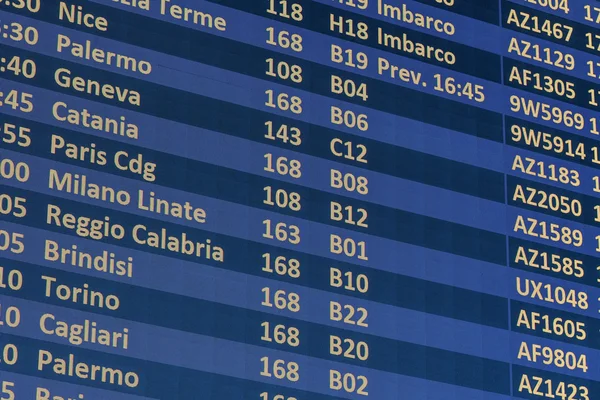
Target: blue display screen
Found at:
299, 200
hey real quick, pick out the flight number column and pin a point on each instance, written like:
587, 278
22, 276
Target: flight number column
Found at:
555, 219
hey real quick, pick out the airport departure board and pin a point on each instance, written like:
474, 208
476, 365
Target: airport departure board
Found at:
299, 199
